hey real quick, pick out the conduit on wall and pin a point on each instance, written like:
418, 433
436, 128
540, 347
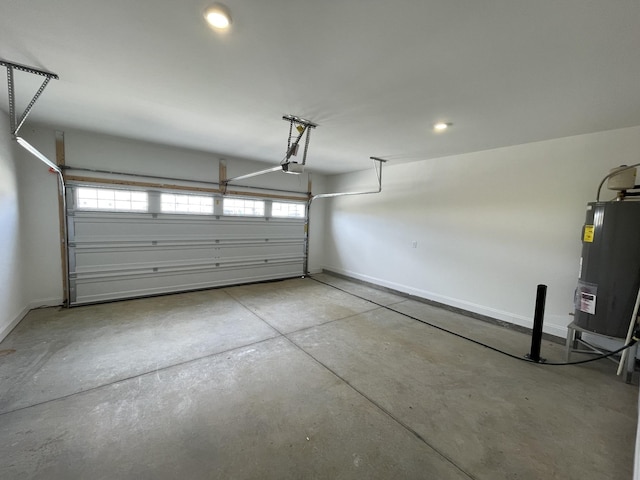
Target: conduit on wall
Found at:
377, 165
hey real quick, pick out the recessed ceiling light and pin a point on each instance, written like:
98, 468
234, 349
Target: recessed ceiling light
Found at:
218, 16
441, 126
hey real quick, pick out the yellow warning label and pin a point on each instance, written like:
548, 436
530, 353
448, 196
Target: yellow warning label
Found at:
588, 233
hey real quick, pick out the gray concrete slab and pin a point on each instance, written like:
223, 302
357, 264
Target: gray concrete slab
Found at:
495, 416
507, 339
510, 340
64, 351
262, 412
298, 303
198, 385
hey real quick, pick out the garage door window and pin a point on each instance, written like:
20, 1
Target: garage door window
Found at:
243, 206
172, 203
114, 200
288, 210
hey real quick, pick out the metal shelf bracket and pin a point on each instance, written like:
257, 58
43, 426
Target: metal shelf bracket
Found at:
15, 121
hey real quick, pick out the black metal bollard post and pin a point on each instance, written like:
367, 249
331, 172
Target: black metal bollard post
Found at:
538, 320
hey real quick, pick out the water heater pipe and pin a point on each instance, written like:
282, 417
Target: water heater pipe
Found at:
632, 324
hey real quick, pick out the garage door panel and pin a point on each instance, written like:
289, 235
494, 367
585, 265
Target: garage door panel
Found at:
115, 255
98, 225
104, 270
123, 256
107, 288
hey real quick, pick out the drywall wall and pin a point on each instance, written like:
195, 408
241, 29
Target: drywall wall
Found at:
38, 193
478, 231
98, 151
316, 226
30, 263
40, 221
13, 304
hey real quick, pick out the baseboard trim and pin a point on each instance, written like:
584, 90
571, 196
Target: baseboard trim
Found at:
553, 333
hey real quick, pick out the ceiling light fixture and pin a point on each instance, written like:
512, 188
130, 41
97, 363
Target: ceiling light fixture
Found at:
441, 126
218, 16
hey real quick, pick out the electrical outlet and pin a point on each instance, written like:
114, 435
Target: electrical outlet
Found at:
414, 244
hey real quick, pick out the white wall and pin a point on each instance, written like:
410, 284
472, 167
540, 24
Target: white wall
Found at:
93, 150
40, 221
30, 267
41, 265
13, 304
316, 225
489, 225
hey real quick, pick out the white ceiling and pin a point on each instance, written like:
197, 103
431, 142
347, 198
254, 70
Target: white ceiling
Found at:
375, 75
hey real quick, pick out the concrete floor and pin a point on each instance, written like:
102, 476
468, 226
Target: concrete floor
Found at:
297, 380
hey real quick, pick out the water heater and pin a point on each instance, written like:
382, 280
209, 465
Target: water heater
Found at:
609, 267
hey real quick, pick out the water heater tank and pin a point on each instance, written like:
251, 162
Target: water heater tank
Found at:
609, 268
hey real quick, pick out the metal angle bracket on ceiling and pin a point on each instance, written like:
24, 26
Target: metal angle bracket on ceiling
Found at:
17, 122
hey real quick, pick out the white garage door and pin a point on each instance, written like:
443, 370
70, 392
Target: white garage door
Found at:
132, 243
